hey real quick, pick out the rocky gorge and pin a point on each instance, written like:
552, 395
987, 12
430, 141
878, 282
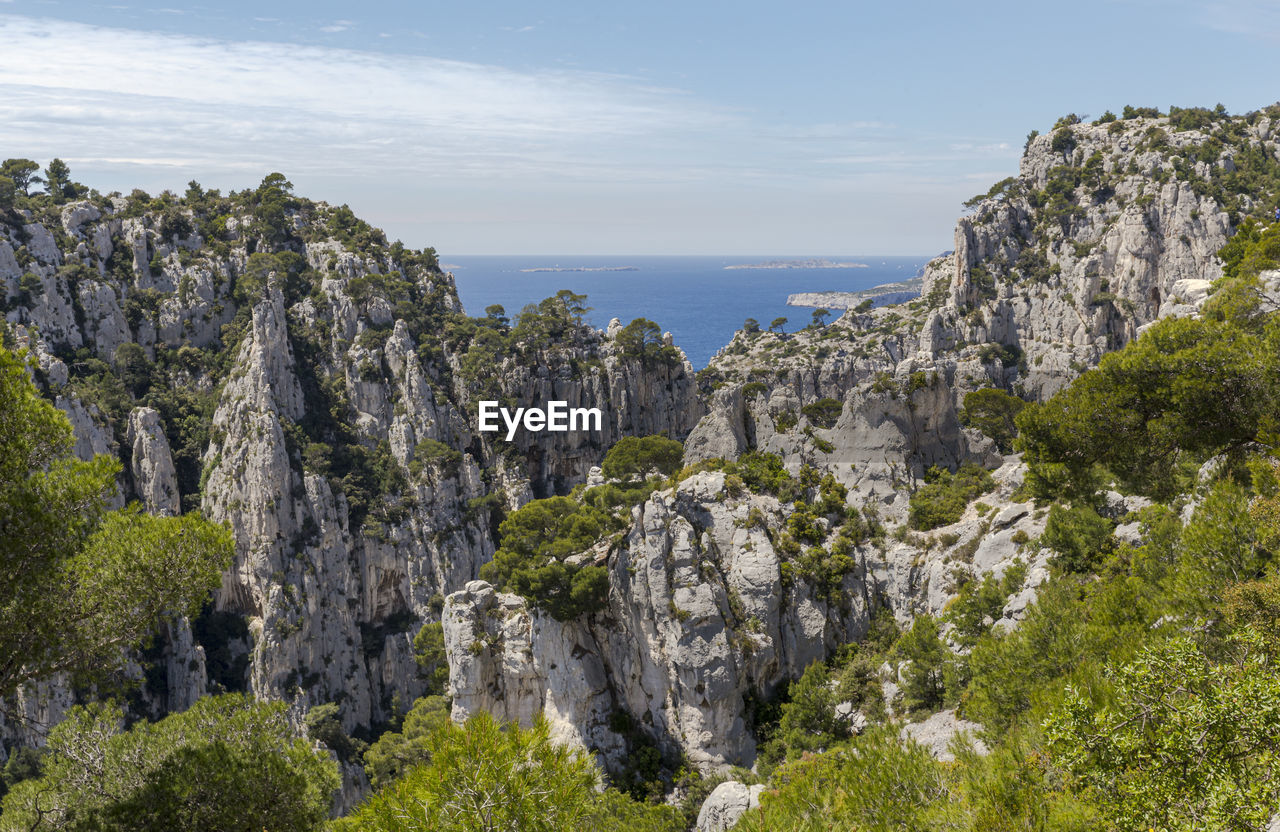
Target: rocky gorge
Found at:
280, 366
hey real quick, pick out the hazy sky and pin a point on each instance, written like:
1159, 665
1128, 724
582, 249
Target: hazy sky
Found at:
494, 127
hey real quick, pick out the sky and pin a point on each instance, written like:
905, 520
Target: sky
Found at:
698, 127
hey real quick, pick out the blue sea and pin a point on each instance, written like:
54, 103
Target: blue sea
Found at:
700, 302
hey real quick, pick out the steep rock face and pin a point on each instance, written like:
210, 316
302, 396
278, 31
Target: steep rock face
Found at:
1106, 228
298, 385
698, 615
635, 397
154, 477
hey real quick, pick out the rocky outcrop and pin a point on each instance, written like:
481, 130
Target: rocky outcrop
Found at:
155, 480
698, 615
322, 415
941, 731
320, 393
726, 805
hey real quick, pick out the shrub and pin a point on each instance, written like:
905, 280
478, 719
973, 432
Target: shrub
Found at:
536, 542
925, 680
1079, 535
635, 456
824, 412
515, 778
992, 411
942, 500
226, 763
642, 339
763, 473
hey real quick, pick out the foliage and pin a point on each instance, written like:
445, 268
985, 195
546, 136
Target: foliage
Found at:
943, 498
1254, 248
535, 542
482, 778
1079, 535
823, 412
22, 172
926, 680
642, 339
1000, 190
876, 784
979, 600
428, 652
227, 763
993, 411
634, 457
80, 582
809, 721
324, 724
1186, 388
1189, 743
396, 752
764, 473
615, 811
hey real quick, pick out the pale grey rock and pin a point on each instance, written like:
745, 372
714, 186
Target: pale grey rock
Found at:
722, 432
76, 214
516, 664
857, 721
154, 477
938, 733
726, 805
185, 668
42, 246
692, 585
1130, 533
105, 324
91, 437
9, 269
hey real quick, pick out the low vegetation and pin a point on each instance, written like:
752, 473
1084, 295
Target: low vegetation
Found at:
945, 495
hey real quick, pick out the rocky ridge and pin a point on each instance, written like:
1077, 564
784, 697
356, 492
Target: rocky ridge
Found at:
1107, 228
279, 365
286, 374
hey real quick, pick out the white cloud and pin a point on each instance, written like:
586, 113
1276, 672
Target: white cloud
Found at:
99, 93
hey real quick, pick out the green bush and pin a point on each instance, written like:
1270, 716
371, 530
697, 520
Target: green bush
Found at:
993, 411
764, 473
635, 456
642, 339
536, 540
396, 752
944, 497
823, 412
928, 680
226, 763
512, 778
1079, 535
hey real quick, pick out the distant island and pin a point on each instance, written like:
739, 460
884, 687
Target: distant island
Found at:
583, 269
886, 294
811, 263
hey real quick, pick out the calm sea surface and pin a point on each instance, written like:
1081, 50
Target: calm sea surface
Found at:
695, 298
